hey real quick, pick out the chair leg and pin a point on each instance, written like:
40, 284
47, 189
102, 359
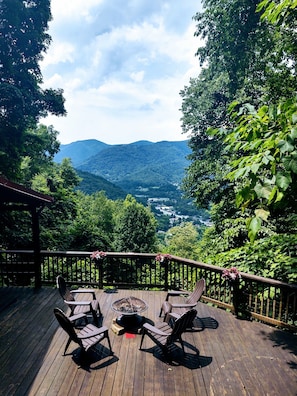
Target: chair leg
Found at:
143, 334
182, 344
108, 340
67, 345
167, 354
95, 317
98, 309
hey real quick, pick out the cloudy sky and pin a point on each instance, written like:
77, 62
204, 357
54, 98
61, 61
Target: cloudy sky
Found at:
121, 65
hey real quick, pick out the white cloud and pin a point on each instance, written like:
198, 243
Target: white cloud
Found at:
61, 52
121, 71
137, 76
55, 81
73, 9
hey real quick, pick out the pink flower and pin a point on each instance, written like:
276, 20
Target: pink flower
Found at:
163, 257
231, 274
98, 255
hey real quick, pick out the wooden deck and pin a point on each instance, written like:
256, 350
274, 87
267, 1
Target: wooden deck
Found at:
227, 357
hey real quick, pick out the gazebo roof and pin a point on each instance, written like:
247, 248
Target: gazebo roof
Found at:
12, 193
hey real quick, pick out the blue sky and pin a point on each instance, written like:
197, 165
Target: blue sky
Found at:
121, 65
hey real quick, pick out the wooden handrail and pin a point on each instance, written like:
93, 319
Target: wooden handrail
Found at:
268, 300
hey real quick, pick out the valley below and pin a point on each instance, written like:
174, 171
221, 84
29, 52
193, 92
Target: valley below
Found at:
151, 172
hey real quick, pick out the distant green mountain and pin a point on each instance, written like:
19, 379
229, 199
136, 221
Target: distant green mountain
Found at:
92, 183
152, 172
131, 167
80, 151
142, 163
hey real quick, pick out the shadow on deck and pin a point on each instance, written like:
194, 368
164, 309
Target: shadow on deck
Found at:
224, 356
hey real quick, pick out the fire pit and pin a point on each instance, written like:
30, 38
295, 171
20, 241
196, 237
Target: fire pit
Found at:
129, 309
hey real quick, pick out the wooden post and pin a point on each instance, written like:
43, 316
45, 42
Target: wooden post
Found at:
165, 263
36, 247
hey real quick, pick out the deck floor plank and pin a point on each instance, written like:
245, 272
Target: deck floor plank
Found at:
237, 357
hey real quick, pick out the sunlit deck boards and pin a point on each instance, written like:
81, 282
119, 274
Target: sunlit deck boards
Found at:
236, 357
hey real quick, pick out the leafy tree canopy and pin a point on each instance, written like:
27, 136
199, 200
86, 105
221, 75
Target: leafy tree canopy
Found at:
241, 114
182, 240
24, 39
135, 228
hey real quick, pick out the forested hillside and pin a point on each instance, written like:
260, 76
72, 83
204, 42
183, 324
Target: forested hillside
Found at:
140, 164
151, 172
91, 184
80, 151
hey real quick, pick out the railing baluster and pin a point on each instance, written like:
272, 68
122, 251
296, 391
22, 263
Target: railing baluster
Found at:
266, 299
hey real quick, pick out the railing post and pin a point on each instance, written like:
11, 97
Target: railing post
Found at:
36, 247
278, 307
100, 274
166, 262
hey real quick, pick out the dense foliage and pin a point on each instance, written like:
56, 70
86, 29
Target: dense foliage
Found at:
90, 184
181, 240
24, 39
241, 113
135, 229
75, 220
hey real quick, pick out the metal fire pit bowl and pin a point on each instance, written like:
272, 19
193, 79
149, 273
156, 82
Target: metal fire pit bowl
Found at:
129, 309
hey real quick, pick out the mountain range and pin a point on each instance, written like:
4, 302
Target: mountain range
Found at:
128, 166
151, 172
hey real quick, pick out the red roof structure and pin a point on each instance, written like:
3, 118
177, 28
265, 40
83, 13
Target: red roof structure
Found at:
14, 196
13, 193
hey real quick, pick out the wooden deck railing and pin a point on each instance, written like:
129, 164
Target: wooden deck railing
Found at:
268, 300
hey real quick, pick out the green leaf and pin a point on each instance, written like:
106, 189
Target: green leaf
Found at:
272, 194
251, 109
254, 226
294, 118
294, 133
255, 168
285, 146
279, 196
283, 180
263, 191
267, 158
262, 214
290, 164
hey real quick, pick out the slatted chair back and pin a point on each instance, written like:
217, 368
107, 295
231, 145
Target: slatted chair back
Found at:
63, 289
66, 324
181, 325
195, 296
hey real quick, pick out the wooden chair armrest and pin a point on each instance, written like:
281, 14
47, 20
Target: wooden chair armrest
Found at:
96, 332
73, 318
173, 315
78, 302
154, 329
87, 291
176, 293
184, 305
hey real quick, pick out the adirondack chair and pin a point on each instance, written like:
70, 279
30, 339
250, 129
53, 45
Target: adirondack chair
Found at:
190, 301
165, 336
89, 336
77, 307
